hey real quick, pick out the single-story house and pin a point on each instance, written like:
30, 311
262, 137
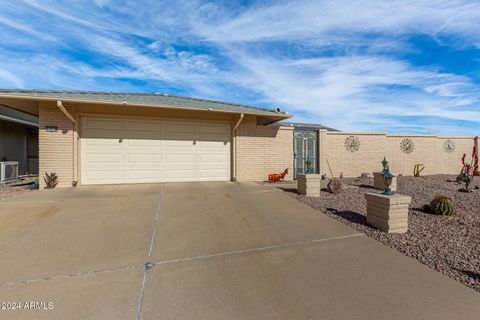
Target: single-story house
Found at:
113, 138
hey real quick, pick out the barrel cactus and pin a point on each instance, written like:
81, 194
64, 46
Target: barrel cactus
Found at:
441, 205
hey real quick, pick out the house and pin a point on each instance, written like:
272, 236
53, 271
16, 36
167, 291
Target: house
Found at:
113, 138
19, 139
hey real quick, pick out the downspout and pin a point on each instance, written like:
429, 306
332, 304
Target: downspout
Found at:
235, 127
75, 126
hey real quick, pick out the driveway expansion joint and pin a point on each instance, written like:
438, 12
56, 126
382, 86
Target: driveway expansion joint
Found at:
258, 249
69, 275
148, 265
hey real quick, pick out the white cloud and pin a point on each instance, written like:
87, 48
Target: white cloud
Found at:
328, 61
8, 79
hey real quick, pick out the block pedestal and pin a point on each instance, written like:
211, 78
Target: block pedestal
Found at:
308, 184
378, 182
388, 213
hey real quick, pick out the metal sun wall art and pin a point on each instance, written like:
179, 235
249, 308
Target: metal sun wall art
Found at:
449, 146
352, 143
407, 145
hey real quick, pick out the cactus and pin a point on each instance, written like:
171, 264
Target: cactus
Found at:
441, 205
417, 170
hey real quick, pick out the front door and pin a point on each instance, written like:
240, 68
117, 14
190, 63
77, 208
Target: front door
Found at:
305, 145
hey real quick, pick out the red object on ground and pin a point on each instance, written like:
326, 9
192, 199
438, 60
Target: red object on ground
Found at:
276, 177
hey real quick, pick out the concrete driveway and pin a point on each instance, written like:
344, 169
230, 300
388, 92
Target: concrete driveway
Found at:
212, 251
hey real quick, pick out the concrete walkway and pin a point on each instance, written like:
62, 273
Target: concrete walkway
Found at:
205, 251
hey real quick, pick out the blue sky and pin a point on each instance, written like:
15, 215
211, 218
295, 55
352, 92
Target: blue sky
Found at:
395, 66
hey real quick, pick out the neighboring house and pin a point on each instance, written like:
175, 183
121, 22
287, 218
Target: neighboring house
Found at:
19, 139
111, 138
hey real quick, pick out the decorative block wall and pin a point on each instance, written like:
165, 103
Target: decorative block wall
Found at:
365, 156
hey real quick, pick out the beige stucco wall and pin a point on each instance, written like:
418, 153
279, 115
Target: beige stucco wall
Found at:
428, 151
262, 150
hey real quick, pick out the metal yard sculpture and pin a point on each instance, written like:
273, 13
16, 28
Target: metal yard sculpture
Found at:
469, 169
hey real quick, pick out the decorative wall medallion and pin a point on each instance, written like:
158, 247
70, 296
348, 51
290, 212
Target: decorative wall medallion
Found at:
407, 145
352, 143
449, 146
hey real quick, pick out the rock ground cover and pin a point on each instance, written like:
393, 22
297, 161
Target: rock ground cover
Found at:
448, 244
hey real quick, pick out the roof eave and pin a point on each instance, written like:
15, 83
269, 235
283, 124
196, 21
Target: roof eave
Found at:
278, 116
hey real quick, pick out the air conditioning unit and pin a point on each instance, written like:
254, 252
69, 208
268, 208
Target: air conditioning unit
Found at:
8, 170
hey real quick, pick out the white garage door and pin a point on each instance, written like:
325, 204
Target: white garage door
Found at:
142, 151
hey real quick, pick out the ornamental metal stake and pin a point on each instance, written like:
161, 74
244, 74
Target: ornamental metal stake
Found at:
384, 163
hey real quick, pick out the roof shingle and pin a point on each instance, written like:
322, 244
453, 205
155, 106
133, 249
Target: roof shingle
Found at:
150, 99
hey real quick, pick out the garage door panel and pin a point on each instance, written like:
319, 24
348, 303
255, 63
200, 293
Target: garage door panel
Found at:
145, 144
123, 151
214, 175
176, 144
142, 126
105, 176
180, 174
144, 175
180, 158
103, 141
144, 138
213, 158
104, 158
144, 158
103, 124
178, 127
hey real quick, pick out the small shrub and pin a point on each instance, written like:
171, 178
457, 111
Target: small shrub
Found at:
335, 186
441, 205
51, 180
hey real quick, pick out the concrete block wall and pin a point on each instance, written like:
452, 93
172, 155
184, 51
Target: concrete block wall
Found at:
262, 150
428, 150
56, 149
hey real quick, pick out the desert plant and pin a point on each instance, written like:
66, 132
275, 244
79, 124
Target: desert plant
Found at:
441, 205
335, 185
417, 170
469, 169
51, 180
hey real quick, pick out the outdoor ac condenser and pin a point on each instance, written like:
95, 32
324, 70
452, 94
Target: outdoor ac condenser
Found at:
8, 170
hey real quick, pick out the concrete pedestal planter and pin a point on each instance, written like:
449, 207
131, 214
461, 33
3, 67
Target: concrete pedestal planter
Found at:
378, 182
309, 184
388, 213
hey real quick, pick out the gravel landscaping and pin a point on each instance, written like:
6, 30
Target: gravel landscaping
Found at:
448, 244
